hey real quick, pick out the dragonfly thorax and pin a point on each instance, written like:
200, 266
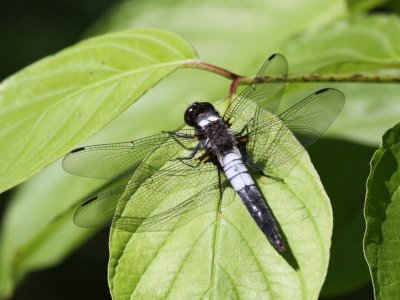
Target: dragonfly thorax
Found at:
217, 136
213, 132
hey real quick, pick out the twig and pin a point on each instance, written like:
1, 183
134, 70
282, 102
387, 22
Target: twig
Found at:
301, 77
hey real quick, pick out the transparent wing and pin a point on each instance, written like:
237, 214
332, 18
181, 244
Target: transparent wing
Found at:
266, 94
120, 159
99, 210
171, 210
157, 196
167, 203
275, 142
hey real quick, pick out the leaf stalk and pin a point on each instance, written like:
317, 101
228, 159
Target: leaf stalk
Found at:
300, 77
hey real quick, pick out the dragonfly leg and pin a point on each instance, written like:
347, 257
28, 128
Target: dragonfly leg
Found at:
176, 135
273, 177
193, 153
246, 127
180, 134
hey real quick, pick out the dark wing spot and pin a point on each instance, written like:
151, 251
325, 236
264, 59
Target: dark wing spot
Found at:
78, 149
89, 201
321, 91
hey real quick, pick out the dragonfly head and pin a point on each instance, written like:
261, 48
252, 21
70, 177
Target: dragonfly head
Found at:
200, 111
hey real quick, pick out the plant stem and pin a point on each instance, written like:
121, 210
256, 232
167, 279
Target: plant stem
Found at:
346, 77
307, 77
198, 64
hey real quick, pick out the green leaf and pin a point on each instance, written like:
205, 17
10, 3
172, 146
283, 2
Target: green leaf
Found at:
363, 44
382, 214
60, 101
225, 255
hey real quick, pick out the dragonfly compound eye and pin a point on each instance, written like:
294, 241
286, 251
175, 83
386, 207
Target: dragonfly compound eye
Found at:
195, 110
191, 114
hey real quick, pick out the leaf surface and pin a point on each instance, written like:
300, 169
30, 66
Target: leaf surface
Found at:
224, 255
382, 214
53, 105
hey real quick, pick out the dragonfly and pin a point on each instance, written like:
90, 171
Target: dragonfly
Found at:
171, 178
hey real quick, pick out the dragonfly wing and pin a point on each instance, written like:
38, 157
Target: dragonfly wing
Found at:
120, 159
99, 210
166, 202
311, 117
264, 94
161, 190
190, 206
276, 142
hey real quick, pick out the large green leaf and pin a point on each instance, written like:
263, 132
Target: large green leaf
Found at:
60, 101
225, 256
382, 214
39, 220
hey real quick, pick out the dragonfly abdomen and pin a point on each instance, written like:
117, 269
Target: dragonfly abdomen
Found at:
242, 182
235, 170
261, 213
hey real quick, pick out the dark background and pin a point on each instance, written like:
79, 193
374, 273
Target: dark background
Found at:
32, 29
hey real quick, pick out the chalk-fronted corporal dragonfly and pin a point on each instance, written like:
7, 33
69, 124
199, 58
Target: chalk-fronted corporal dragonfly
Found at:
173, 177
